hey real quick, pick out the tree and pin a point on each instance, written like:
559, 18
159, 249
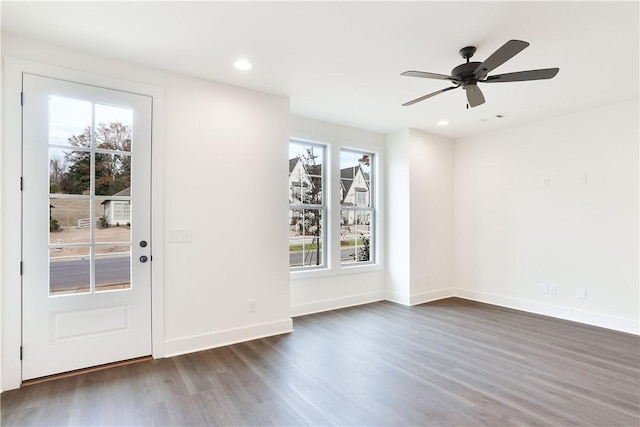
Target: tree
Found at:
112, 170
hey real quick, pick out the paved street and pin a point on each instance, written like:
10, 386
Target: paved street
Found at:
75, 273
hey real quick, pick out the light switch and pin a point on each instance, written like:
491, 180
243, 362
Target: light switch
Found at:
545, 181
582, 293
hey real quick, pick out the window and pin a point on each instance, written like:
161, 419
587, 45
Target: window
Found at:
307, 207
121, 211
310, 210
356, 207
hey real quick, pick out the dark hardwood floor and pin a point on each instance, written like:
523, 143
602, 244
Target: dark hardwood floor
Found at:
447, 363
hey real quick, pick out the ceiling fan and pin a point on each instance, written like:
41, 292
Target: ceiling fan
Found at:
468, 75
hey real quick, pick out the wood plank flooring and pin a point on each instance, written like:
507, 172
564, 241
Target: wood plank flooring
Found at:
448, 363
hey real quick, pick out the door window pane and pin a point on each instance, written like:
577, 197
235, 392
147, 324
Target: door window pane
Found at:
69, 221
69, 270
70, 121
113, 174
114, 220
113, 127
113, 268
89, 160
69, 171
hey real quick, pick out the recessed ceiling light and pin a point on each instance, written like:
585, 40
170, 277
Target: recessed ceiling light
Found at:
443, 123
242, 64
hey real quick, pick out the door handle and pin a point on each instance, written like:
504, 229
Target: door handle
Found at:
143, 243
143, 259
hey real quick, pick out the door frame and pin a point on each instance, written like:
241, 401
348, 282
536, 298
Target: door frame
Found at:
11, 205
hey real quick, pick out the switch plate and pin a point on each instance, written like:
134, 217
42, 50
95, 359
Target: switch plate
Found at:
582, 293
180, 235
553, 289
545, 181
252, 306
544, 288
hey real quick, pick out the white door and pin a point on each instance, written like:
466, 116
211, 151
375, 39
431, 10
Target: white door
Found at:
86, 272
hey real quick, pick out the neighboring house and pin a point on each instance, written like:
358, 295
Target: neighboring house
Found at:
299, 181
354, 186
355, 191
305, 187
118, 211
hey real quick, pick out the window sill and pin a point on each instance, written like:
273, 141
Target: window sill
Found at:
335, 271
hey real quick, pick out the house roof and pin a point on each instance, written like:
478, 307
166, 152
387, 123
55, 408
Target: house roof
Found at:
292, 163
124, 193
347, 177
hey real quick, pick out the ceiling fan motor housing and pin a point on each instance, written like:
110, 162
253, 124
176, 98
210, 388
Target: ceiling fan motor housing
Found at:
465, 71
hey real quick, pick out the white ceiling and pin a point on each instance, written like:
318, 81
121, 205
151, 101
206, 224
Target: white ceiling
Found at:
341, 61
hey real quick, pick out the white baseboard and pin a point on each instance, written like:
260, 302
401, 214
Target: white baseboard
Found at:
425, 297
421, 298
566, 313
398, 298
231, 336
336, 303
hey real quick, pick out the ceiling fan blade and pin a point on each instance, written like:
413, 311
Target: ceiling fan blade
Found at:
426, 75
499, 57
522, 76
474, 95
422, 98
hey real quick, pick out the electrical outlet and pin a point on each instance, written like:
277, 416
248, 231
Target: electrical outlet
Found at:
582, 293
252, 306
544, 288
545, 181
553, 289
582, 178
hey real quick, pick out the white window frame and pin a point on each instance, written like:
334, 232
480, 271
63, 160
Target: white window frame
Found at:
323, 208
332, 197
371, 209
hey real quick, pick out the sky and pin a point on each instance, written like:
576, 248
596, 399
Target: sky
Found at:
69, 116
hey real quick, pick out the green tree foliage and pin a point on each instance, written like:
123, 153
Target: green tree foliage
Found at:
112, 171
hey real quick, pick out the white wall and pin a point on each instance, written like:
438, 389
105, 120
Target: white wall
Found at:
512, 232
398, 209
431, 233
211, 132
420, 211
338, 287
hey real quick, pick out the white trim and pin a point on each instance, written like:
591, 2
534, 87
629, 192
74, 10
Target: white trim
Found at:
195, 343
336, 303
589, 318
425, 297
398, 298
13, 68
565, 313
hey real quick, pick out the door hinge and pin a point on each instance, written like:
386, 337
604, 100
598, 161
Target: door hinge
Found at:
21, 99
21, 184
21, 268
20, 352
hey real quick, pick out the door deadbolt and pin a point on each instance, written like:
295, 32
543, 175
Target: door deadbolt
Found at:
143, 258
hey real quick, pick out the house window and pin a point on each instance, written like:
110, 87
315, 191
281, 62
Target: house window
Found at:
307, 207
121, 211
357, 210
